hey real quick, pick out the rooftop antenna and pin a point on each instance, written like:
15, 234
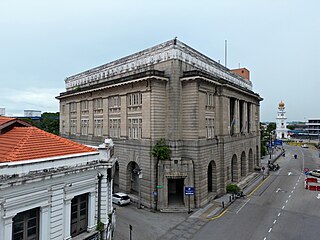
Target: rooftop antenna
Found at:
225, 53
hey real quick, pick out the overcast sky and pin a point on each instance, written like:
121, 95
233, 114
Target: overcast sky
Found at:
44, 41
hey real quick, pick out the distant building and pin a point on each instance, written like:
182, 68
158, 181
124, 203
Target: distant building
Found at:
281, 122
2, 111
313, 128
208, 115
52, 188
32, 113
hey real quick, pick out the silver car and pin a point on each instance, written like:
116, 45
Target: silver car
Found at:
120, 198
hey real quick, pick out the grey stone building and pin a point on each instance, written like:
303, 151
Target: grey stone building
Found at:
207, 113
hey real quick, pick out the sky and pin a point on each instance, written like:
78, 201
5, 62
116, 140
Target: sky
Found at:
44, 41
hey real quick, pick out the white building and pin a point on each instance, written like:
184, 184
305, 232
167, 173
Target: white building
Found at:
53, 188
32, 113
281, 122
313, 128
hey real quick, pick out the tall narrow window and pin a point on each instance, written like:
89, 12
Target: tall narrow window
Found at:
25, 225
210, 127
79, 214
84, 126
135, 128
98, 127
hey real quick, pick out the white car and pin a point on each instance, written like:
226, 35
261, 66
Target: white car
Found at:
315, 173
120, 198
304, 146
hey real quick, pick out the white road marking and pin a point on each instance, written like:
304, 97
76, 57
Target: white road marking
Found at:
279, 189
274, 222
289, 173
265, 238
318, 196
270, 230
292, 191
296, 184
294, 187
243, 206
279, 214
289, 196
283, 206
286, 201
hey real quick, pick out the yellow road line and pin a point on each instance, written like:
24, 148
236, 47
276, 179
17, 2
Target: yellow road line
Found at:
218, 215
258, 186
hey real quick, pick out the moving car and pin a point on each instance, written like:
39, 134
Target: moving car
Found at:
120, 198
315, 173
304, 146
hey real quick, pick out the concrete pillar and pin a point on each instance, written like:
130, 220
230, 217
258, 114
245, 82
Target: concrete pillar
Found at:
91, 210
44, 222
7, 228
91, 121
67, 219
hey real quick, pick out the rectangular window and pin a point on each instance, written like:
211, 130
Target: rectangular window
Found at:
134, 99
73, 126
210, 127
98, 127
73, 107
63, 127
25, 225
97, 103
114, 104
114, 127
84, 126
209, 99
135, 128
84, 105
79, 214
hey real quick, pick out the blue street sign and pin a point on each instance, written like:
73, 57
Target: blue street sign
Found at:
189, 190
278, 142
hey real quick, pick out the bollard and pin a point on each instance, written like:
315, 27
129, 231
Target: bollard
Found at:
230, 199
222, 204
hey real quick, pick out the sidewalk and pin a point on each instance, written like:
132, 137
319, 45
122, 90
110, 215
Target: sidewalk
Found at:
194, 222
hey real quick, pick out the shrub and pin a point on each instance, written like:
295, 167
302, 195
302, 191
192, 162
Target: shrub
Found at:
233, 188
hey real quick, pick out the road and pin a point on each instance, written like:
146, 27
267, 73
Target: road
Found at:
279, 209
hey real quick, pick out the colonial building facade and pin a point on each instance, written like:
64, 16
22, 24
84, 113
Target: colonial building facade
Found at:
208, 115
53, 188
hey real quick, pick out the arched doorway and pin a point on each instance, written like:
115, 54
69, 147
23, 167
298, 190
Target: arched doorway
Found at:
257, 156
251, 161
116, 177
234, 168
133, 178
243, 164
212, 177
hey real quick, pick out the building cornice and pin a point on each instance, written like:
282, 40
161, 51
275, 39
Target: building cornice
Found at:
170, 50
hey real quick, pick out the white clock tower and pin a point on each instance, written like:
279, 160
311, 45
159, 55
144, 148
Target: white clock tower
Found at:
281, 120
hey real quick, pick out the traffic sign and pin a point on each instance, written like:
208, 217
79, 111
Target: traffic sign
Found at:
189, 190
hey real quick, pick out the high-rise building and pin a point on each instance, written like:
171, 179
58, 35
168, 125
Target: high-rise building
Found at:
208, 115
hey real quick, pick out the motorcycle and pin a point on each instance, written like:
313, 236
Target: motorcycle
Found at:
273, 167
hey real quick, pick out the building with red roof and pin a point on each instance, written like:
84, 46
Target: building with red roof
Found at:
50, 186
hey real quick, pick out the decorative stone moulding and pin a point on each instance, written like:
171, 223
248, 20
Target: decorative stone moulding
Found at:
169, 50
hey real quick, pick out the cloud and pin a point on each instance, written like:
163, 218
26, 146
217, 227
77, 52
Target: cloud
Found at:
15, 101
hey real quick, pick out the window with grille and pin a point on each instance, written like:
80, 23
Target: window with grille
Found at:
79, 214
114, 104
135, 99
25, 225
135, 128
210, 127
73, 107
73, 126
114, 127
97, 104
98, 127
84, 126
84, 105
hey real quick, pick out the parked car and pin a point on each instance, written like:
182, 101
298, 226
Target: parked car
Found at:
120, 198
304, 146
315, 173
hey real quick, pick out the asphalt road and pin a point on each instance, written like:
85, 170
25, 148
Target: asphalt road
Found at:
279, 209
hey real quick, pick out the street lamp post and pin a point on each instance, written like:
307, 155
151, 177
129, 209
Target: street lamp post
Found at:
138, 171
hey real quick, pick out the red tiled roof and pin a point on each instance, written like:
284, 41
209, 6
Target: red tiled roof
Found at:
4, 120
26, 143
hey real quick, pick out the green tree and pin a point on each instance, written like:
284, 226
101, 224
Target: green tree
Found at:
161, 150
